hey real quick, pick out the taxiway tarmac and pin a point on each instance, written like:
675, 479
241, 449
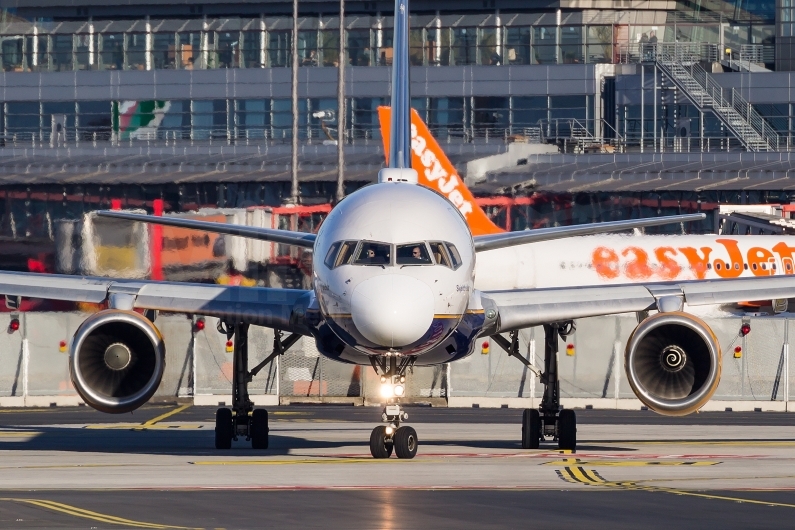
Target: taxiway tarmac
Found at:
157, 468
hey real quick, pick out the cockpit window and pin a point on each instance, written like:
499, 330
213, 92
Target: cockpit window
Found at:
331, 255
413, 254
373, 254
440, 254
455, 257
346, 253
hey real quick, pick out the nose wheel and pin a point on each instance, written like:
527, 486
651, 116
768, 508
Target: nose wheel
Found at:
393, 437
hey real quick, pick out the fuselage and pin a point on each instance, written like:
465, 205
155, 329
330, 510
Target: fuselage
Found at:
393, 273
617, 259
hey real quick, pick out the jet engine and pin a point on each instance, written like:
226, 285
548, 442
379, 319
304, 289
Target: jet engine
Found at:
673, 363
116, 360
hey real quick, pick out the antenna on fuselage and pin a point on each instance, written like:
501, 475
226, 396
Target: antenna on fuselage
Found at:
399, 169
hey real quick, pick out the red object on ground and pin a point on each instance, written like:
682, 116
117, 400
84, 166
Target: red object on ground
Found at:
157, 242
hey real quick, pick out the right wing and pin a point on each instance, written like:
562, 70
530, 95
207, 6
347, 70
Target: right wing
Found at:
509, 239
284, 309
288, 237
525, 308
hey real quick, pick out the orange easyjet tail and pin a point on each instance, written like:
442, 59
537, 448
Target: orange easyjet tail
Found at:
437, 172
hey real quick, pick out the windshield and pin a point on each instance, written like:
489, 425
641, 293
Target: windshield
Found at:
373, 254
413, 254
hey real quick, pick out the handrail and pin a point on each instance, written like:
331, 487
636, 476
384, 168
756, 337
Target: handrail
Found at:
707, 92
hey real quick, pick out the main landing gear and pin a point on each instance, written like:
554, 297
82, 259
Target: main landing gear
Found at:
550, 420
243, 419
392, 437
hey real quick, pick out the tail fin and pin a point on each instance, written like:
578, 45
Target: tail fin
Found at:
437, 172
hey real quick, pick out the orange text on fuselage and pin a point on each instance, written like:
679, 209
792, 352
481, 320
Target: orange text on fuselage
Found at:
724, 259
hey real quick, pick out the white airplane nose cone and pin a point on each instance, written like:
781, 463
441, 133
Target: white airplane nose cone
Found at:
392, 310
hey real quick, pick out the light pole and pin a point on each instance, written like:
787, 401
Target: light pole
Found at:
341, 114
294, 190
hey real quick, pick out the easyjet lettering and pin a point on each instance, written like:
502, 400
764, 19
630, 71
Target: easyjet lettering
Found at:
725, 259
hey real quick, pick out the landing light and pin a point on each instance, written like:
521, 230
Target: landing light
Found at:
399, 390
386, 391
198, 325
745, 329
13, 325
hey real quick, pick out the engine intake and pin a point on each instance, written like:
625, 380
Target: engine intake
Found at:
673, 363
117, 360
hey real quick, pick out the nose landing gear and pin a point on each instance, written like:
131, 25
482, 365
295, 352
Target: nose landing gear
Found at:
392, 437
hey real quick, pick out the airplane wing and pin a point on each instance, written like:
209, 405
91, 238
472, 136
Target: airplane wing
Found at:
509, 239
531, 307
300, 239
283, 309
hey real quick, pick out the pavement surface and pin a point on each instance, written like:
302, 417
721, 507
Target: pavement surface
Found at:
157, 468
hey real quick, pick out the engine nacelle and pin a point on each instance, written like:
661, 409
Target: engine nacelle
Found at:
673, 363
116, 360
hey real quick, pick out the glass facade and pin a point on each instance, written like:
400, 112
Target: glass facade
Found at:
487, 38
233, 120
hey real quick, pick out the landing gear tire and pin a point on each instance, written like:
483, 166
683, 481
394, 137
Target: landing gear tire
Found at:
224, 429
259, 429
406, 442
531, 429
379, 446
567, 430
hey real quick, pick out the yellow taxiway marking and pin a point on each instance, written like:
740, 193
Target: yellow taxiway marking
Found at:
589, 477
142, 427
87, 514
18, 434
168, 414
628, 463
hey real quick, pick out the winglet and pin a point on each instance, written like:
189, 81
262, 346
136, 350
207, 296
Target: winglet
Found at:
435, 171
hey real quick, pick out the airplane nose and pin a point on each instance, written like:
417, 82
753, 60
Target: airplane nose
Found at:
392, 309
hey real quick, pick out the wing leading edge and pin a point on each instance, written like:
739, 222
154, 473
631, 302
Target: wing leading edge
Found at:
300, 239
283, 309
510, 239
531, 307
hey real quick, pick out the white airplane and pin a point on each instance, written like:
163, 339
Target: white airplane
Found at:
396, 280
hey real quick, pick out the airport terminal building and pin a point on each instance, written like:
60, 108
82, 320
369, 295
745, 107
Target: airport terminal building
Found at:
651, 105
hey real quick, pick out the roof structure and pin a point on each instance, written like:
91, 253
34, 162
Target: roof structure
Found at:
637, 172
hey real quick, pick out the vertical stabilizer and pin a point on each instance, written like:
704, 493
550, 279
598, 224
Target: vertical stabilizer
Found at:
399, 129
435, 171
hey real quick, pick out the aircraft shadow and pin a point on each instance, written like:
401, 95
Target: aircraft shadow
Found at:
157, 442
200, 442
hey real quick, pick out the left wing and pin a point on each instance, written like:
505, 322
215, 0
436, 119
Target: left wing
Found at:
300, 239
510, 239
283, 309
525, 308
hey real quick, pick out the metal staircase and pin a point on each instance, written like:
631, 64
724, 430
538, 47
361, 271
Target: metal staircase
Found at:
729, 106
